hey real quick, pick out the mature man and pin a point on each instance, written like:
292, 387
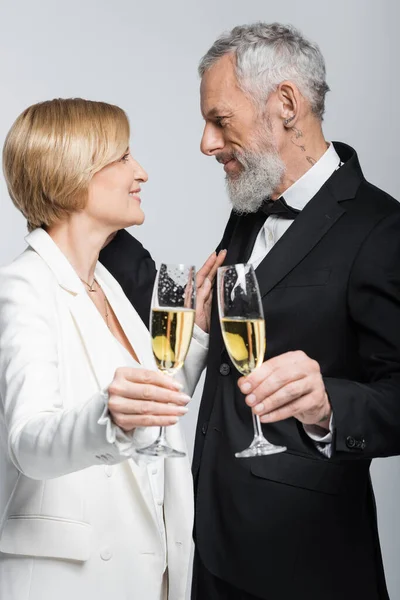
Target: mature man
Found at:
326, 248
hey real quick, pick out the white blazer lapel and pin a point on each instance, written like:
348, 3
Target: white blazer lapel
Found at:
133, 326
102, 354
93, 331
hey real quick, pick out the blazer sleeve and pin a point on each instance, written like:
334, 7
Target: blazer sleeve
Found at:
133, 268
45, 438
367, 414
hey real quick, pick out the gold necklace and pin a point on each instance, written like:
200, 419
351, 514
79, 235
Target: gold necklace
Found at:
91, 289
107, 313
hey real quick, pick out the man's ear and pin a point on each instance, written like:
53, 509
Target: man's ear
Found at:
290, 99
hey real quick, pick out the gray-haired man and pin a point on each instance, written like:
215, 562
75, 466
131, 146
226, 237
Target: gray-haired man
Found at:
300, 524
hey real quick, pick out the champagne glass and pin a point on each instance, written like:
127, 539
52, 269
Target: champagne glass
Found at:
171, 327
243, 330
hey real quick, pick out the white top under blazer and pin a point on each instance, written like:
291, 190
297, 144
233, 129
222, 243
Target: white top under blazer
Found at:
79, 518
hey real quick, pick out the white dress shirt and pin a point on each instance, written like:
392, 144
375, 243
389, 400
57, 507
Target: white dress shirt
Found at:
297, 196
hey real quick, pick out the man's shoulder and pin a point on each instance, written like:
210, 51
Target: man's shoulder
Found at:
378, 197
125, 238
124, 245
372, 205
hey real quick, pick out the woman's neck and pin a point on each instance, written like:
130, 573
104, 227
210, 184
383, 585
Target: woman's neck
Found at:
80, 242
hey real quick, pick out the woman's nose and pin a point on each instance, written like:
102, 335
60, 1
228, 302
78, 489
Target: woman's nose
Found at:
139, 173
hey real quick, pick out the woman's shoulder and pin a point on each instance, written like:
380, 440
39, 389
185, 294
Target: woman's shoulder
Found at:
28, 270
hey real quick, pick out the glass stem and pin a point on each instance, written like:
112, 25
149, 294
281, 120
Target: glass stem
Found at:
162, 434
258, 434
161, 439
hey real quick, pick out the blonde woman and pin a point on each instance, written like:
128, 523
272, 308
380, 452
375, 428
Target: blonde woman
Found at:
78, 385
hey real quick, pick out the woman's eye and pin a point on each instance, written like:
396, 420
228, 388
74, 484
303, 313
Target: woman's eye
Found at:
125, 157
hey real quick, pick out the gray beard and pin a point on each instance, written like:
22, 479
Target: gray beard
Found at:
260, 178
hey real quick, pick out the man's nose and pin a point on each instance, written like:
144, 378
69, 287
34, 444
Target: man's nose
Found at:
212, 140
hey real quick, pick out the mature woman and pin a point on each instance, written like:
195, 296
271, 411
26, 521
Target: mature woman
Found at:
78, 385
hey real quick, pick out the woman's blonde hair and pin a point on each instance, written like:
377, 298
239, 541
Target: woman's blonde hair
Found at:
52, 152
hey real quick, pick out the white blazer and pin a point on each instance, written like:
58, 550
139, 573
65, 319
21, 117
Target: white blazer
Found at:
78, 517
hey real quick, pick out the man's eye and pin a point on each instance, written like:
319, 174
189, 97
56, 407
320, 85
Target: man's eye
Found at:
220, 121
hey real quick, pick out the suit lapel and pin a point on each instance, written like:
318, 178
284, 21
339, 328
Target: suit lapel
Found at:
243, 237
314, 221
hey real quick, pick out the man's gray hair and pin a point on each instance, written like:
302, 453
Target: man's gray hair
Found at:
266, 55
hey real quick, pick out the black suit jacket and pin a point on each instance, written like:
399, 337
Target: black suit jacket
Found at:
133, 268
299, 525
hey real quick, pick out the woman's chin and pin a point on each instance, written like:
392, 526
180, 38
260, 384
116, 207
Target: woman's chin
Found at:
132, 220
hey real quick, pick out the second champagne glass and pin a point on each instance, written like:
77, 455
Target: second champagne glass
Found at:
171, 329
243, 329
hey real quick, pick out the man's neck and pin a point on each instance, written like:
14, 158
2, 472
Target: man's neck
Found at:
303, 147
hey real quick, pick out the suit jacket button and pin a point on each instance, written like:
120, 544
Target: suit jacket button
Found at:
106, 553
350, 442
224, 369
204, 428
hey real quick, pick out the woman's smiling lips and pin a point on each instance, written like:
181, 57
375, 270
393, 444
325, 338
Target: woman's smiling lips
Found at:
135, 194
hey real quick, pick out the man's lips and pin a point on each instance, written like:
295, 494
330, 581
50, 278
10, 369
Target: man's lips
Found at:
223, 160
229, 164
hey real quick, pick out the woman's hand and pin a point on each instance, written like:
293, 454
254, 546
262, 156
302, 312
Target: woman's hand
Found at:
204, 283
144, 398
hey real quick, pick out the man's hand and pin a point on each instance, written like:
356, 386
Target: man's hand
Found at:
289, 385
204, 283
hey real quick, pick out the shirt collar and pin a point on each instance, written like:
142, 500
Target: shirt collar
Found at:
305, 188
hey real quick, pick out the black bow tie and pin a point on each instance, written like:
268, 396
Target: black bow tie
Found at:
280, 208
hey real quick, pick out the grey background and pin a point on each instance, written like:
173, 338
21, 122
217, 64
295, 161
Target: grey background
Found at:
143, 57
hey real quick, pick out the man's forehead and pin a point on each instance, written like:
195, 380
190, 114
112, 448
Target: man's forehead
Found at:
218, 86
221, 74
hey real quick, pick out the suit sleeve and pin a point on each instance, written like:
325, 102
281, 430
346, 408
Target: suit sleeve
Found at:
47, 435
367, 414
228, 233
133, 268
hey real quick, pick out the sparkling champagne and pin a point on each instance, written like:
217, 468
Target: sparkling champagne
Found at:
171, 332
245, 341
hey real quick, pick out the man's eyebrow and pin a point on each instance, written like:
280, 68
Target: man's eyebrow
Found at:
218, 111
